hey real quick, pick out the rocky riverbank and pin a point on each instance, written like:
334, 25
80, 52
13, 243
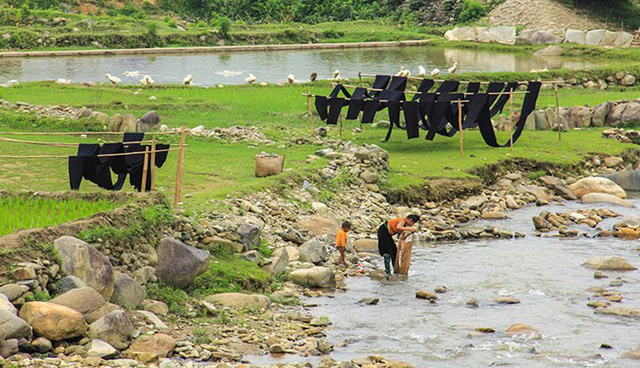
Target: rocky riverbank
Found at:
100, 312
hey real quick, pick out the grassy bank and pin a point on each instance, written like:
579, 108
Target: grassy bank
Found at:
216, 169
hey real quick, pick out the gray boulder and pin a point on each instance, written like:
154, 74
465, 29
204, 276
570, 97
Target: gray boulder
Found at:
13, 327
600, 113
461, 34
148, 121
541, 120
178, 263
99, 348
624, 39
594, 37
239, 300
13, 291
575, 36
84, 300
70, 282
538, 37
7, 305
278, 263
628, 179
249, 235
9, 348
127, 292
612, 263
609, 38
85, 262
580, 117
314, 277
605, 198
115, 328
129, 124
550, 51
313, 251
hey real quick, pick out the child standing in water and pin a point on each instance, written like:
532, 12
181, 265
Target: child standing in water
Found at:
341, 241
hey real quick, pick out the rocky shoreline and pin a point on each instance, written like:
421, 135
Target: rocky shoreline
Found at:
101, 314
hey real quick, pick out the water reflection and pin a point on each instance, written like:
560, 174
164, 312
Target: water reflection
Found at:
274, 66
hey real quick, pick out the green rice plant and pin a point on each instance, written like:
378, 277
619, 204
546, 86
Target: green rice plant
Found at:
26, 212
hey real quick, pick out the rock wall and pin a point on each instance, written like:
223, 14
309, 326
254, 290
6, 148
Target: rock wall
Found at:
502, 35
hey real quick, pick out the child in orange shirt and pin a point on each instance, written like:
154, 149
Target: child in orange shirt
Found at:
341, 241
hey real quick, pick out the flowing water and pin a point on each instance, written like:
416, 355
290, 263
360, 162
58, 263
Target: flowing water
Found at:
273, 66
545, 274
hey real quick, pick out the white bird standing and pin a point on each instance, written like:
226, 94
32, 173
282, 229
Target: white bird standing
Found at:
187, 80
453, 68
435, 72
422, 72
251, 78
132, 73
401, 72
406, 73
336, 76
291, 79
146, 81
114, 80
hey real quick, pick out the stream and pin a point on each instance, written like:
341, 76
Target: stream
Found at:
274, 66
545, 274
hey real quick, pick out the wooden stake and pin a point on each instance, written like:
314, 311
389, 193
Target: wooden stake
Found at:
460, 128
153, 163
511, 117
313, 130
145, 170
340, 117
555, 88
178, 194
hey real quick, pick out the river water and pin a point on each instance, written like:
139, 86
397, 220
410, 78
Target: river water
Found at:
545, 274
273, 66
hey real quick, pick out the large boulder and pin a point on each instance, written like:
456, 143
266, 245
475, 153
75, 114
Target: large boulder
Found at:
115, 328
13, 327
84, 300
605, 198
249, 234
278, 262
611, 263
149, 349
600, 113
314, 277
627, 180
538, 37
505, 35
148, 121
86, 263
461, 34
609, 38
53, 321
313, 251
575, 36
366, 245
5, 304
178, 263
580, 117
239, 300
550, 51
99, 348
631, 113
624, 39
127, 292
292, 253
541, 120
597, 185
594, 37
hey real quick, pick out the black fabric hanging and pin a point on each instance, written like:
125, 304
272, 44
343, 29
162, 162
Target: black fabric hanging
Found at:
135, 165
494, 87
380, 82
83, 165
372, 106
323, 103
503, 98
336, 103
161, 157
103, 171
438, 119
424, 87
412, 118
119, 164
474, 108
357, 103
529, 104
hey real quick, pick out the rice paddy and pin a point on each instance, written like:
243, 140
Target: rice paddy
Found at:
27, 211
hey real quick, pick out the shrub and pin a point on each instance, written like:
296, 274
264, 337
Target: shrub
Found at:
472, 11
224, 26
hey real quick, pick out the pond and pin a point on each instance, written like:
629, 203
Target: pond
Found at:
274, 66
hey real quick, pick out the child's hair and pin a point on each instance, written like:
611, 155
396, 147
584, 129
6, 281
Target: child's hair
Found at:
415, 218
346, 225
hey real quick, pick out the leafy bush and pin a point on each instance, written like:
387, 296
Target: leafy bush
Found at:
224, 25
472, 11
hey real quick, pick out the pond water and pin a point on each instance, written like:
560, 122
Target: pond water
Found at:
545, 274
273, 66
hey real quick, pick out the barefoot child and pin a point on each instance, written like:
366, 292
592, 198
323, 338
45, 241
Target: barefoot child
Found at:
341, 241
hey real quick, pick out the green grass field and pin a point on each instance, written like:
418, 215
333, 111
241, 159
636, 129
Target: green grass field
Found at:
26, 211
215, 169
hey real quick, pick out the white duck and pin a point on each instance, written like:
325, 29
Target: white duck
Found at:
422, 72
401, 72
291, 79
453, 68
435, 72
146, 81
113, 79
336, 76
187, 80
132, 73
251, 78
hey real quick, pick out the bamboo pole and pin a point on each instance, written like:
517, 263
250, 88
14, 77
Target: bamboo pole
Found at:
178, 192
460, 128
82, 133
512, 120
340, 118
57, 144
153, 164
145, 170
436, 93
367, 75
313, 129
555, 88
104, 155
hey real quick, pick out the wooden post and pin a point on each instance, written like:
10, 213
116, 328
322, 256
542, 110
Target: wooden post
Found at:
313, 129
145, 170
340, 117
178, 193
555, 88
511, 117
153, 163
460, 127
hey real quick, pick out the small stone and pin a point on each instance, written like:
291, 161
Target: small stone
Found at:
41, 345
599, 275
473, 303
507, 300
422, 294
369, 301
320, 321
440, 289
